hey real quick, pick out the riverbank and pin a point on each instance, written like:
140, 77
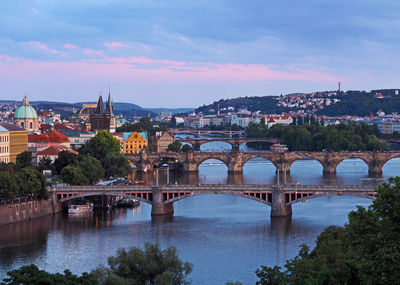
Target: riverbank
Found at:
25, 210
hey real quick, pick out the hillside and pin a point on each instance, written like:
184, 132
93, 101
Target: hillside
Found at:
265, 104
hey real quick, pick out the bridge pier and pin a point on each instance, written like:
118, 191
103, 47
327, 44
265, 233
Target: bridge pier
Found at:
279, 208
158, 208
374, 169
329, 168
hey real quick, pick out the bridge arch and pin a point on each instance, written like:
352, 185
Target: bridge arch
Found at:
212, 157
83, 195
224, 146
393, 160
306, 160
319, 195
357, 159
265, 199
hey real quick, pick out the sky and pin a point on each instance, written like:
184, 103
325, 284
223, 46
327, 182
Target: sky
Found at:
189, 53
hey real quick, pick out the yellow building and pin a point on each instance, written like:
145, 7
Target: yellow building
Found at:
134, 142
18, 140
4, 145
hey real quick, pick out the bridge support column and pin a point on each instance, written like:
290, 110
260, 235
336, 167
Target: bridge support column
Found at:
158, 207
235, 161
329, 168
374, 169
279, 208
283, 168
196, 146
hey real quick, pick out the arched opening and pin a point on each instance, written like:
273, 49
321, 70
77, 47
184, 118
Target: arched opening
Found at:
306, 171
259, 170
352, 171
255, 146
184, 136
216, 146
391, 168
213, 171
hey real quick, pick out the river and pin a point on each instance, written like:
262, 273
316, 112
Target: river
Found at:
225, 237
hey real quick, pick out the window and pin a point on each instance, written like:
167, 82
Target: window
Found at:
31, 125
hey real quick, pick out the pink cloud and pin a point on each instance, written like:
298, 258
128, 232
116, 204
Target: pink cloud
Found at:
143, 69
43, 47
70, 46
93, 52
114, 44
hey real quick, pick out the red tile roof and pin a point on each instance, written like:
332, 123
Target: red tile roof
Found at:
54, 150
49, 137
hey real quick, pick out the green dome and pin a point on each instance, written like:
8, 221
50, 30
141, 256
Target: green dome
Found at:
25, 111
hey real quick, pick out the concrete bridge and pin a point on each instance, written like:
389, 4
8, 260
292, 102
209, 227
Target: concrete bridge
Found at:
234, 142
161, 198
236, 160
199, 133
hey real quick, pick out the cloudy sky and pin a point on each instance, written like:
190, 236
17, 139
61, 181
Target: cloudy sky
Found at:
188, 53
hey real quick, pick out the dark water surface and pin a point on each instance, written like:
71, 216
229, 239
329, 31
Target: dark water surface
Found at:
225, 237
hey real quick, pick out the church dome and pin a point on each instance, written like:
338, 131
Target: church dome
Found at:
25, 111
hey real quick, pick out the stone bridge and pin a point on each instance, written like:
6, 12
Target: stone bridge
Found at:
199, 133
236, 160
235, 143
161, 198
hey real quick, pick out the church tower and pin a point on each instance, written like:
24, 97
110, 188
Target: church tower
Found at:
103, 119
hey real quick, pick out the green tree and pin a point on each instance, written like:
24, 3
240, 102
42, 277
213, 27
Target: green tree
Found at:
32, 275
364, 251
24, 159
91, 168
176, 146
100, 145
46, 164
73, 175
31, 182
149, 266
64, 158
117, 165
186, 148
8, 186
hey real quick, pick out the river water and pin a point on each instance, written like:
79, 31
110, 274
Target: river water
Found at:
225, 237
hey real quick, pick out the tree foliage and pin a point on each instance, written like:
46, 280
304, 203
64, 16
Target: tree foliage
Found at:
100, 145
364, 251
32, 275
64, 158
314, 137
149, 266
24, 159
116, 165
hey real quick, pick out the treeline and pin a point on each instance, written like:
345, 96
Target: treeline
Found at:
315, 137
134, 266
22, 179
99, 157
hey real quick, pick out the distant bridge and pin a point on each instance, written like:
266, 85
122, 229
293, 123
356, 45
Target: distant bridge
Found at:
234, 142
280, 198
199, 133
236, 160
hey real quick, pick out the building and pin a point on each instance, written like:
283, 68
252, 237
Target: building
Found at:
161, 141
52, 152
4, 145
103, 119
37, 143
18, 140
77, 138
26, 117
134, 142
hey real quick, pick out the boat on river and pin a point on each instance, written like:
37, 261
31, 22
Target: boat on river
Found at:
79, 209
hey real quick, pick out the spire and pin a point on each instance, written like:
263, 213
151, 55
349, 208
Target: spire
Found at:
109, 104
100, 106
25, 101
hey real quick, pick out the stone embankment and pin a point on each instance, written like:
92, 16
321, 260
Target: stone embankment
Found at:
24, 210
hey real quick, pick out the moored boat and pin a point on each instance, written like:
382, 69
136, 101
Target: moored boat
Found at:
79, 209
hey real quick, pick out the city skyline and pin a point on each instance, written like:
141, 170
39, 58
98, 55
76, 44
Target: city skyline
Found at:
181, 54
